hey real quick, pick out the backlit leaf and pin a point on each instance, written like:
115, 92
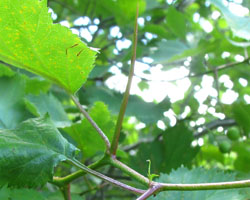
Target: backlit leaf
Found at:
29, 40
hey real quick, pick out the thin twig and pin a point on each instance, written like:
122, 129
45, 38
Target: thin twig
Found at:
105, 178
123, 107
92, 122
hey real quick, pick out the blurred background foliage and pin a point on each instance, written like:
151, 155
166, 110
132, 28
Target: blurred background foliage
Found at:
190, 97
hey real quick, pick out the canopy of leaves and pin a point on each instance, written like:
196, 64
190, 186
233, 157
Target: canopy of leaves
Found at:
191, 84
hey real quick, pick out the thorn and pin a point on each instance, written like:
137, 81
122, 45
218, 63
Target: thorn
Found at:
79, 53
71, 47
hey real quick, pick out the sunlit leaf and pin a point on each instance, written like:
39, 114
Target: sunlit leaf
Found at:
29, 40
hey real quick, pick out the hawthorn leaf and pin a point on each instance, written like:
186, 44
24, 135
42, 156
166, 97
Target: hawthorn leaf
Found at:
36, 85
239, 25
41, 104
6, 71
85, 135
29, 40
166, 50
29, 153
176, 143
241, 114
25, 194
176, 22
198, 175
136, 106
12, 107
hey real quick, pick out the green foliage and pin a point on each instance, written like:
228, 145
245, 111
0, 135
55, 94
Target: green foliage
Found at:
186, 121
176, 22
37, 45
239, 25
30, 152
86, 136
12, 106
241, 113
198, 175
166, 50
136, 106
5, 71
47, 103
242, 162
176, 143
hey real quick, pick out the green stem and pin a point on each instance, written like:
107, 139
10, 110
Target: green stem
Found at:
61, 181
66, 192
158, 187
123, 107
106, 178
127, 170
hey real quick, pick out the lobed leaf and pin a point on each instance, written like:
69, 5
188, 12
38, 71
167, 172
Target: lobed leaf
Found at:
12, 107
29, 153
41, 104
29, 40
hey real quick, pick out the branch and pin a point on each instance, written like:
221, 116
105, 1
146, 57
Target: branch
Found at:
127, 170
214, 124
66, 192
158, 187
105, 178
61, 181
92, 122
206, 128
116, 137
218, 68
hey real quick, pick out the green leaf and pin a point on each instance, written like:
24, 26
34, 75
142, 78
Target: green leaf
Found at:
239, 25
29, 153
30, 40
126, 10
197, 64
176, 22
6, 71
4, 193
36, 86
198, 175
48, 103
85, 135
156, 29
242, 162
167, 50
25, 194
176, 143
12, 107
241, 113
136, 106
